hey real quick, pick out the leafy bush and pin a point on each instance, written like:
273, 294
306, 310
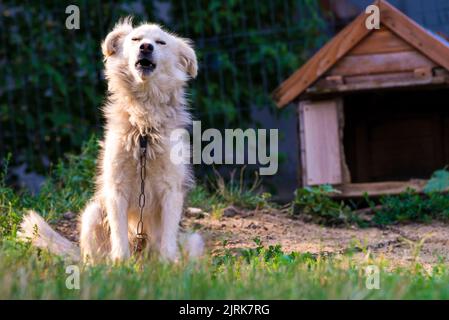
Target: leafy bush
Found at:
405, 207
410, 206
317, 203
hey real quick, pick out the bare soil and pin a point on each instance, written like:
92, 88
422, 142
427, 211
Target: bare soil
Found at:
400, 245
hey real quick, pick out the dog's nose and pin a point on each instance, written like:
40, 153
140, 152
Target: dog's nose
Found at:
146, 47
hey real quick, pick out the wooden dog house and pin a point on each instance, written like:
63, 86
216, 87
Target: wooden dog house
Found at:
373, 107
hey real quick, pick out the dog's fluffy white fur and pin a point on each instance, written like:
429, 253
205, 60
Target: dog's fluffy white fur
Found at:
147, 70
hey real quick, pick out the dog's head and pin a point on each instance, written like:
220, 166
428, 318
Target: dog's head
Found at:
148, 53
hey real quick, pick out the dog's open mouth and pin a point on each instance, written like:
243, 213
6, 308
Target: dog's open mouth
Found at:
145, 64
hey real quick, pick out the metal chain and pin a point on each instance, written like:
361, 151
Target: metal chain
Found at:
140, 235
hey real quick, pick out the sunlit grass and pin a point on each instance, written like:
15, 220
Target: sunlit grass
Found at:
26, 273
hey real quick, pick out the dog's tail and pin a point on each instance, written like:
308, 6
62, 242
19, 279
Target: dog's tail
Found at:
35, 229
192, 244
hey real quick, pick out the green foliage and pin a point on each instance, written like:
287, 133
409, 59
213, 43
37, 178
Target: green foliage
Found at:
247, 49
71, 184
273, 255
439, 182
67, 189
219, 193
9, 201
318, 204
410, 206
237, 192
50, 95
201, 197
51, 81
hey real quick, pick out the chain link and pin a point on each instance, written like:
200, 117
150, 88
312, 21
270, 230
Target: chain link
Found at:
140, 235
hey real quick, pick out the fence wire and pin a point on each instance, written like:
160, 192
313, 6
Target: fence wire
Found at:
51, 80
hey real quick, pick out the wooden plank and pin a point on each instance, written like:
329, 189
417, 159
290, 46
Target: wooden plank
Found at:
321, 142
335, 80
375, 189
326, 83
441, 76
321, 62
414, 34
385, 85
381, 63
381, 41
423, 73
302, 176
381, 81
407, 76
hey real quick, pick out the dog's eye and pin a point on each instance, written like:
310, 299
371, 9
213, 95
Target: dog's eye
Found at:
136, 39
163, 43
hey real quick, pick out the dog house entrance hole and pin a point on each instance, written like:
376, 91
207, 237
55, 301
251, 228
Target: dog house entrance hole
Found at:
396, 136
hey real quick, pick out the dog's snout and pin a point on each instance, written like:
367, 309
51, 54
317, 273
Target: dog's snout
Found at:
146, 48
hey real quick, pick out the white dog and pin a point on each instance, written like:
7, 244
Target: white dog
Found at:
147, 70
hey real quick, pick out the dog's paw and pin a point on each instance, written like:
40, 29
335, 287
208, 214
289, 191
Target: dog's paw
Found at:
169, 254
119, 256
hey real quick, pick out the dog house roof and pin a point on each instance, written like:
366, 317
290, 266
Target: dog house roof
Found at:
429, 46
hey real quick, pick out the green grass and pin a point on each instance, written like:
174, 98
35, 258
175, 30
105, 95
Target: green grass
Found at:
26, 273
68, 187
218, 193
258, 273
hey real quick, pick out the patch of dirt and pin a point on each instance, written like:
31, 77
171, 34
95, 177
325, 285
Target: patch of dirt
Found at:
68, 226
399, 244
238, 229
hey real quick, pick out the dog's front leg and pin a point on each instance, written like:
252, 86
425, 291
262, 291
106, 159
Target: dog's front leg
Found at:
171, 215
117, 207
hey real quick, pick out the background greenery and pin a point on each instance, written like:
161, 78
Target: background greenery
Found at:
51, 81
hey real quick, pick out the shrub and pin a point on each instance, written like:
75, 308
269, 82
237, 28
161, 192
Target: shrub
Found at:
317, 203
410, 206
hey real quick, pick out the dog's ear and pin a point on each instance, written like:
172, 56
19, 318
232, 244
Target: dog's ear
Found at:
187, 57
113, 40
